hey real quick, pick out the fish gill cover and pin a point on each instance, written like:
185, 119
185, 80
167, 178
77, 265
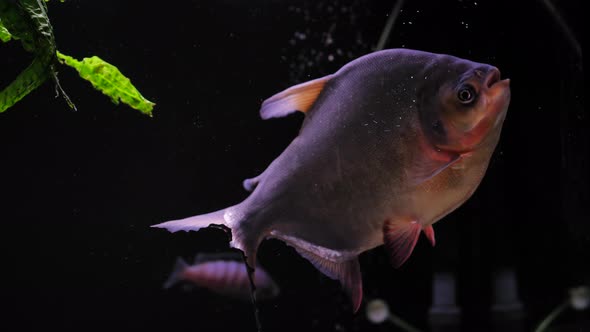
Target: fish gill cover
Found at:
28, 21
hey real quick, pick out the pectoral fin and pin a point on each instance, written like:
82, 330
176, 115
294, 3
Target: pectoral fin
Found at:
400, 237
426, 167
296, 98
429, 162
348, 272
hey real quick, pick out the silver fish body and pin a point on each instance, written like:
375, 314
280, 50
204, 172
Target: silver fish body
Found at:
340, 179
391, 143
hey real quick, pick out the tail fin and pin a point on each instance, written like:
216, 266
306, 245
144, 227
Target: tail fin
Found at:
195, 223
176, 274
245, 236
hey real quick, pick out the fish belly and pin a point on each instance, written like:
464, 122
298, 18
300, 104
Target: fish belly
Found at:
328, 201
437, 197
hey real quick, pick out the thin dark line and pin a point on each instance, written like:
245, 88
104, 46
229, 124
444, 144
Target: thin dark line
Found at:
567, 31
389, 24
250, 272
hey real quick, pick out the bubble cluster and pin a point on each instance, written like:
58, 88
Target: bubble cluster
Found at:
326, 37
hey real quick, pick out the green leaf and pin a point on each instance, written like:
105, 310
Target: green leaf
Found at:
36, 11
28, 80
4, 33
24, 20
27, 20
109, 80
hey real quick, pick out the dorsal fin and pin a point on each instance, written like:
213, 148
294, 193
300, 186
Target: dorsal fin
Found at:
296, 98
347, 272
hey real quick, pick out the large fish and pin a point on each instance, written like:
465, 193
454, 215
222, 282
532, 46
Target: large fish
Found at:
390, 144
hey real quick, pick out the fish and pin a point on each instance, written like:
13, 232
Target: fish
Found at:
390, 144
225, 275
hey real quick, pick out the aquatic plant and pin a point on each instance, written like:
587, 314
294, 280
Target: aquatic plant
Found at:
577, 299
27, 21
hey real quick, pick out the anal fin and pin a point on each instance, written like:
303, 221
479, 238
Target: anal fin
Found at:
400, 237
347, 272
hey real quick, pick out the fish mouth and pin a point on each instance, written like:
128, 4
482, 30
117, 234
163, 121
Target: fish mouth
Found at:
495, 87
497, 93
492, 77
502, 100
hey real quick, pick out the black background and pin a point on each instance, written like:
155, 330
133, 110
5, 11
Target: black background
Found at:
80, 189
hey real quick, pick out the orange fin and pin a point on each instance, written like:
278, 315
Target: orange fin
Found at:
400, 238
429, 232
348, 272
296, 98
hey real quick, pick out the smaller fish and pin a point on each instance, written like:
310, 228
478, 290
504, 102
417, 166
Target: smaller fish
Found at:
223, 274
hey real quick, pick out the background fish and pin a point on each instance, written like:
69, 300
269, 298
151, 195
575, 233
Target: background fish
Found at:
223, 274
391, 143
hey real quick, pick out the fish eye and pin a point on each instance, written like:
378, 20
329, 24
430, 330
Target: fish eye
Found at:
466, 94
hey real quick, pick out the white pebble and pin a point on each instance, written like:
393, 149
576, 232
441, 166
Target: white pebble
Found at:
377, 311
580, 298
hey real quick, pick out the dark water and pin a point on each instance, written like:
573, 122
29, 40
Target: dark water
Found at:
80, 189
